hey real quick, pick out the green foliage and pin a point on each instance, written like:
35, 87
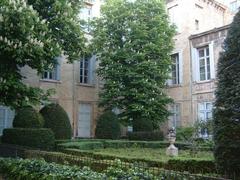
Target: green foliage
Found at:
146, 136
97, 144
36, 138
133, 40
185, 133
108, 126
142, 125
227, 111
39, 169
28, 117
57, 120
192, 166
32, 34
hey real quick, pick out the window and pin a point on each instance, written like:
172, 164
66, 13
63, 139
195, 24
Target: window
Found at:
204, 63
87, 70
6, 118
175, 120
86, 16
196, 24
234, 5
53, 73
204, 115
174, 17
205, 111
175, 69
50, 74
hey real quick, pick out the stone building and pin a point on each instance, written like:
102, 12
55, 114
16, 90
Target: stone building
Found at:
76, 86
201, 29
194, 58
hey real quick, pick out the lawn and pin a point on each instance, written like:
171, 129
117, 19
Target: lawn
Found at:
158, 154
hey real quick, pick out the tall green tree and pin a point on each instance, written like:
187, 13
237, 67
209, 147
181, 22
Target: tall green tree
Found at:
133, 41
33, 33
227, 111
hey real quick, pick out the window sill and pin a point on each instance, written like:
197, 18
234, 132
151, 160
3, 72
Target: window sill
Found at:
202, 82
174, 86
50, 81
86, 85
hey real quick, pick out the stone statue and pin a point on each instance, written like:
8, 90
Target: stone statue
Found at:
172, 150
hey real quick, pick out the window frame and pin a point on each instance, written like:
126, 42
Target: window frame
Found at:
175, 118
206, 63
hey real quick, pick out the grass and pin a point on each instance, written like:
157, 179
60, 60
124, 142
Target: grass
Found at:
158, 154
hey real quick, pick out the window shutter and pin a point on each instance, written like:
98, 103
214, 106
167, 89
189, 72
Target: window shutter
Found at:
58, 68
92, 70
180, 67
195, 65
211, 54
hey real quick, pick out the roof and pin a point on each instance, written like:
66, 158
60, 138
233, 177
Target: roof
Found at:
209, 32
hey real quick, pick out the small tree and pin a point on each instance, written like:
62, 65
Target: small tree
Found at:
227, 112
133, 41
33, 33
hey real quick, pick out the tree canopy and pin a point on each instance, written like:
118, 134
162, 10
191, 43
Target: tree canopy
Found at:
227, 111
133, 41
33, 33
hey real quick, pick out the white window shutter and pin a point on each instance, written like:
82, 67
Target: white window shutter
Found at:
180, 67
92, 69
212, 66
195, 65
58, 68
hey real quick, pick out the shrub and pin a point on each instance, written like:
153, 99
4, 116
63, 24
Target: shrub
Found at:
191, 165
27, 117
227, 105
36, 138
146, 136
39, 169
184, 133
57, 119
108, 126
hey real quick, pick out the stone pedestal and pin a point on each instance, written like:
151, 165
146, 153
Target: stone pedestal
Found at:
172, 150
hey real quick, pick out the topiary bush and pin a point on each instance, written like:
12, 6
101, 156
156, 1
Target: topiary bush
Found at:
57, 119
28, 117
32, 137
108, 126
226, 123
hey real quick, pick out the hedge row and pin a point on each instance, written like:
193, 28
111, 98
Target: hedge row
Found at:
190, 165
146, 136
98, 144
39, 169
32, 137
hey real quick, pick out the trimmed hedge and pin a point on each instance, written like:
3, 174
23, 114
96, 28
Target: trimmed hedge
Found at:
97, 144
108, 126
191, 165
146, 136
27, 117
36, 138
57, 119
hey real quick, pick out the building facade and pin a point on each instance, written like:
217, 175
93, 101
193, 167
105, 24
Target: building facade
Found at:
193, 73
201, 29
